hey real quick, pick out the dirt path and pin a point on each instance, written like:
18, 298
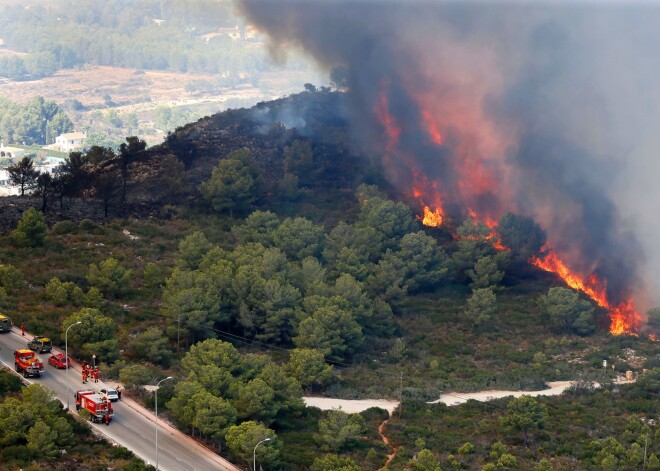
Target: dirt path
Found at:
386, 441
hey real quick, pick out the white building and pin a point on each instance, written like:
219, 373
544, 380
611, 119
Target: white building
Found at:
6, 186
69, 142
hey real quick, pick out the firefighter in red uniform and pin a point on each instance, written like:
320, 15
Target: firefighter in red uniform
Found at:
96, 374
84, 375
22, 329
107, 418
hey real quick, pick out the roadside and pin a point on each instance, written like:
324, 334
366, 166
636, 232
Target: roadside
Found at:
167, 429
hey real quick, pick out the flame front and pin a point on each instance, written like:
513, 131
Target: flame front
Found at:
624, 318
472, 139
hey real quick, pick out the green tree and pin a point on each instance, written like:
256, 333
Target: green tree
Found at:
474, 242
192, 250
309, 367
485, 273
524, 414
67, 293
544, 465
233, 184
16, 419
521, 234
241, 440
425, 460
299, 238
23, 174
135, 376
182, 406
258, 227
31, 230
94, 327
64, 431
332, 462
332, 331
481, 306
10, 278
567, 311
93, 298
110, 277
213, 415
362, 242
151, 345
339, 430
41, 441
653, 463
256, 400
427, 264
391, 220
193, 302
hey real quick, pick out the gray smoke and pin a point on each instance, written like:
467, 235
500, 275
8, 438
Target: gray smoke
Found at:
549, 110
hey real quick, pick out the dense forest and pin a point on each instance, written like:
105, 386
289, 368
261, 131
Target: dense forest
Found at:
64, 35
36, 122
255, 258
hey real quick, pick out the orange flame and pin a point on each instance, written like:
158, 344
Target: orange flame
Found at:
624, 318
432, 218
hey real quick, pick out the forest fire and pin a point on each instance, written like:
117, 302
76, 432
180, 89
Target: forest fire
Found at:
431, 218
624, 318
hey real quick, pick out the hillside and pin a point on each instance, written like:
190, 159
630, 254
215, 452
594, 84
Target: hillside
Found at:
259, 255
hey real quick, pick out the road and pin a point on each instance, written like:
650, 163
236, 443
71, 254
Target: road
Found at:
132, 427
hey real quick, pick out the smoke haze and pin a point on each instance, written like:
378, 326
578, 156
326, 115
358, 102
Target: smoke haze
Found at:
548, 110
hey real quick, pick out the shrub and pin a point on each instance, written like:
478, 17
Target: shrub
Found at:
64, 227
31, 230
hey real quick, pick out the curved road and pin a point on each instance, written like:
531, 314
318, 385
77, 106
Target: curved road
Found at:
132, 427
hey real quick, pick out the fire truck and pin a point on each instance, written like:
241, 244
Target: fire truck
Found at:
27, 362
97, 405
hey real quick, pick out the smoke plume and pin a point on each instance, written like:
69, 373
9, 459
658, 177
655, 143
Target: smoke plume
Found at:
548, 110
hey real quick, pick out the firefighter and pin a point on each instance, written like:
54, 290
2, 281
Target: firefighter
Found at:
22, 329
107, 418
84, 375
118, 392
96, 374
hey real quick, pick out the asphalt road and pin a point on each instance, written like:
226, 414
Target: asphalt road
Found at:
132, 426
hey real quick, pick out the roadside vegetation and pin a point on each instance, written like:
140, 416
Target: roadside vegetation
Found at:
282, 266
36, 433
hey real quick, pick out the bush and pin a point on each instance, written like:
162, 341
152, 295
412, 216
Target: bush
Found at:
87, 225
31, 230
64, 227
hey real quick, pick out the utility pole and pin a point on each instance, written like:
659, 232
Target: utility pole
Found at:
400, 394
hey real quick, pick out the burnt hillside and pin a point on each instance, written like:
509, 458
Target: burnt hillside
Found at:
170, 173
266, 130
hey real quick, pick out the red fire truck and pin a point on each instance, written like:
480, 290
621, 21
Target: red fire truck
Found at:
28, 363
98, 406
